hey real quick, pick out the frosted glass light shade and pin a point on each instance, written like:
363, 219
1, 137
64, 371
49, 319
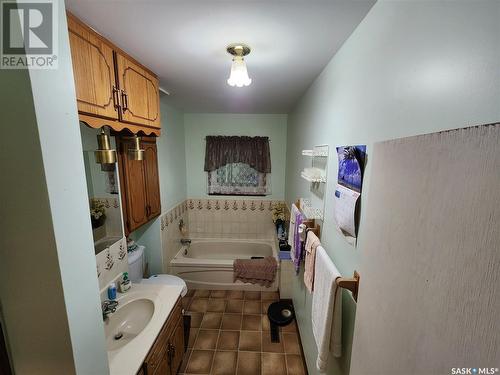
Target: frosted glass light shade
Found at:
239, 74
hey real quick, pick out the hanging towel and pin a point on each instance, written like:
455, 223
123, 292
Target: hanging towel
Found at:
326, 309
312, 242
296, 219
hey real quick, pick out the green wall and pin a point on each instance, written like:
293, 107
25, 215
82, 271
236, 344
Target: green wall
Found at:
199, 125
409, 68
172, 173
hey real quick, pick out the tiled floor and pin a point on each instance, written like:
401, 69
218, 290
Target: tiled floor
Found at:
230, 336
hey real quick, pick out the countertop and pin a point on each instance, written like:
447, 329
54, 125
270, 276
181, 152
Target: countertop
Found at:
129, 358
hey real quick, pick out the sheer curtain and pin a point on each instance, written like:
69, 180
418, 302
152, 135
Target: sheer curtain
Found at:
238, 165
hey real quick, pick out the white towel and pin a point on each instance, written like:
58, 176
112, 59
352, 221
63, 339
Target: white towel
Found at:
291, 230
326, 309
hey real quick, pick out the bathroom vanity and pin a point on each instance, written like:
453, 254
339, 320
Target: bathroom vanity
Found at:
145, 335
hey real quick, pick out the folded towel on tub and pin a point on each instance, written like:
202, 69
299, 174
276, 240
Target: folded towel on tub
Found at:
255, 271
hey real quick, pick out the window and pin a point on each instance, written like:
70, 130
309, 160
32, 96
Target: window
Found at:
238, 165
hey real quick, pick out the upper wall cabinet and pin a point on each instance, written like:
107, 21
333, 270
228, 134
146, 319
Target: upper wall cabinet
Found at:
111, 87
139, 93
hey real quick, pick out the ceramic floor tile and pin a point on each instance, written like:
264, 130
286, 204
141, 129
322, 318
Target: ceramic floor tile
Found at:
216, 305
291, 342
250, 341
265, 306
251, 323
250, 307
271, 347
206, 340
273, 364
266, 324
211, 320
291, 328
249, 363
295, 364
234, 294
218, 294
193, 332
250, 295
274, 296
202, 293
231, 322
234, 306
224, 363
196, 319
198, 304
190, 293
186, 301
228, 340
185, 360
200, 362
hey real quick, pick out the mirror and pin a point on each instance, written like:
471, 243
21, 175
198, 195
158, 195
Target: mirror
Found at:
103, 193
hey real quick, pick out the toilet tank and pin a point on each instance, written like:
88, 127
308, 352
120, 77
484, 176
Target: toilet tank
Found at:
135, 264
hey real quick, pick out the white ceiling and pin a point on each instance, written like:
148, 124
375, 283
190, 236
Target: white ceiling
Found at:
184, 43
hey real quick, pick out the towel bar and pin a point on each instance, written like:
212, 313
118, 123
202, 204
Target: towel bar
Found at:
350, 283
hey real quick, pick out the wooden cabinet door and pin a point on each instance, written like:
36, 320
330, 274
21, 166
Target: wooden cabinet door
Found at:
151, 176
177, 346
94, 73
139, 93
133, 184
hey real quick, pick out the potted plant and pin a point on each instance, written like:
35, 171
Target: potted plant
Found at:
278, 214
97, 213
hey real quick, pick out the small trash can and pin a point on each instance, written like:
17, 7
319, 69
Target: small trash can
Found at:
280, 314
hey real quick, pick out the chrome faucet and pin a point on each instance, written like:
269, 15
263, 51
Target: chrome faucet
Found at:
108, 307
185, 241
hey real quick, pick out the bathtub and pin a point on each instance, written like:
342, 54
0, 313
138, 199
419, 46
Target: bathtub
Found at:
208, 263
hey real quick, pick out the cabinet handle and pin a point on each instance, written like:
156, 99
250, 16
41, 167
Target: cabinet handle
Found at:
116, 98
124, 100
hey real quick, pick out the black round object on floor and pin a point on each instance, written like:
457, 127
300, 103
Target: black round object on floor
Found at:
280, 314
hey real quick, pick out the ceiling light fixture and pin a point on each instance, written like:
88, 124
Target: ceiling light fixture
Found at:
239, 74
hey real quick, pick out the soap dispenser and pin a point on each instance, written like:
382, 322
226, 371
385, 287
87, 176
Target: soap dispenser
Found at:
125, 284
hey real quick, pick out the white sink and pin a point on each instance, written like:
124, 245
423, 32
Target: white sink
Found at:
127, 322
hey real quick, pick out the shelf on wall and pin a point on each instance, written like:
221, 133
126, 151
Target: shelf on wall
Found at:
306, 177
315, 153
309, 211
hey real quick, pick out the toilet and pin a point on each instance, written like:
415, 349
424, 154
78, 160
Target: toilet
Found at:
135, 267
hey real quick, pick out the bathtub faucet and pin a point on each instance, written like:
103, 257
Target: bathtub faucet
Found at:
185, 241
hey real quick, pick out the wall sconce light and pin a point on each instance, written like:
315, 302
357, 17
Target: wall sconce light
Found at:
104, 154
136, 153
